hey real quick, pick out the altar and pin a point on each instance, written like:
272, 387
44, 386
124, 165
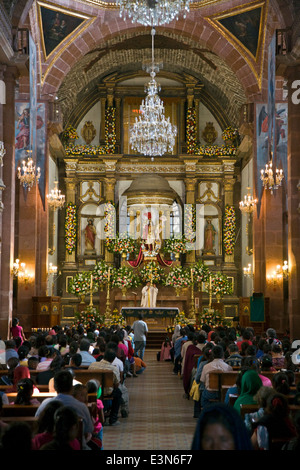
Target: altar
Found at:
158, 318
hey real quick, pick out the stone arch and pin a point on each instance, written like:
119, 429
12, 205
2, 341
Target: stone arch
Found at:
203, 34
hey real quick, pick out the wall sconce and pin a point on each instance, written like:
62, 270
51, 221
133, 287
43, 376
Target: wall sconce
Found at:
20, 272
276, 276
285, 270
18, 268
248, 271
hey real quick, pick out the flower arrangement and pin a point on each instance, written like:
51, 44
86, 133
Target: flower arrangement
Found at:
212, 318
181, 320
70, 227
229, 227
230, 133
81, 284
90, 316
201, 272
117, 319
152, 271
69, 133
178, 277
121, 244
175, 245
215, 151
110, 219
100, 273
220, 285
110, 129
191, 130
124, 278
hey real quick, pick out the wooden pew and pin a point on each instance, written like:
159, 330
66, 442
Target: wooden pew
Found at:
104, 377
19, 410
38, 396
32, 421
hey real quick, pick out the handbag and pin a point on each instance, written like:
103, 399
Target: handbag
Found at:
194, 391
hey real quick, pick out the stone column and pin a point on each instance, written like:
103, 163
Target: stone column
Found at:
7, 227
293, 74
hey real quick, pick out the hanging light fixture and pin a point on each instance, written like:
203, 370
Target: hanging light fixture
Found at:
270, 179
152, 134
27, 174
55, 199
153, 12
248, 205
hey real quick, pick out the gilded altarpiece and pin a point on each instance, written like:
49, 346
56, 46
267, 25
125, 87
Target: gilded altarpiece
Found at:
208, 186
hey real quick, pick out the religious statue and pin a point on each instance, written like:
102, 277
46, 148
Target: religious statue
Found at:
90, 236
209, 238
149, 295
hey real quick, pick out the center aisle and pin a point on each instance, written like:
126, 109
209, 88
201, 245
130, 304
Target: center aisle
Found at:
159, 417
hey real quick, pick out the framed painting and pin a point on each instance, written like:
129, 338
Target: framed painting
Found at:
56, 25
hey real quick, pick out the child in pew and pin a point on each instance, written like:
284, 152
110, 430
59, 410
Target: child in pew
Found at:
80, 392
97, 409
46, 427
25, 390
66, 425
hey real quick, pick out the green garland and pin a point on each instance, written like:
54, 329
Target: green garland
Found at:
190, 222
191, 130
229, 229
110, 129
70, 227
216, 151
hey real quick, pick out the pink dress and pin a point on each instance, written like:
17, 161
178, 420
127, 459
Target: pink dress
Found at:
16, 332
165, 354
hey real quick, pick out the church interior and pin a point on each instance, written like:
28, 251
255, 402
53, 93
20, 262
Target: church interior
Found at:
163, 152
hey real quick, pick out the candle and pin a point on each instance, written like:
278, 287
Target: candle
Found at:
108, 277
209, 282
91, 281
192, 277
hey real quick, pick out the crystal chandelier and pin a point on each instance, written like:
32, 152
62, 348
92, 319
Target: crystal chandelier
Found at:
27, 174
269, 179
152, 134
153, 12
248, 205
55, 199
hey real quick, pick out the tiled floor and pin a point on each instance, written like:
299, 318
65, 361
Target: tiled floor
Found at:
159, 417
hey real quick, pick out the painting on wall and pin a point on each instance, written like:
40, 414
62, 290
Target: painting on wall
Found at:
56, 25
245, 27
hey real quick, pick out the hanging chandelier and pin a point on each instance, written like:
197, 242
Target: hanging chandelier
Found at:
270, 180
152, 134
248, 204
153, 12
55, 199
27, 174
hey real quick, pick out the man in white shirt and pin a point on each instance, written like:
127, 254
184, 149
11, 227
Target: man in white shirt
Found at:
217, 364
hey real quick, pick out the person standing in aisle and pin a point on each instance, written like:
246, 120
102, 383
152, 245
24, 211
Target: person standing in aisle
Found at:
140, 330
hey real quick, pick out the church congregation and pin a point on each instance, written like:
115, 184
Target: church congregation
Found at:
262, 399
